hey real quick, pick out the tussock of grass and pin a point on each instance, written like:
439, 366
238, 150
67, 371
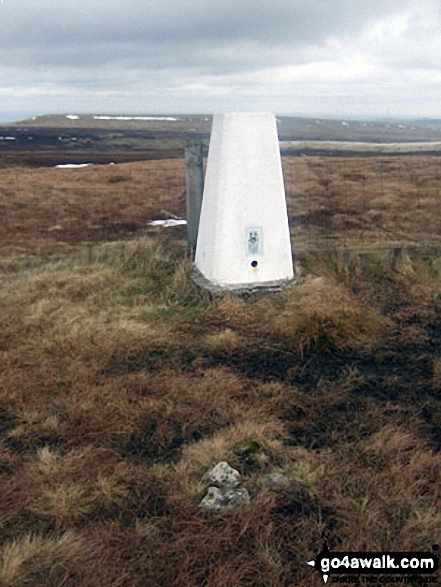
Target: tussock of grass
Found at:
232, 443
226, 340
34, 558
318, 315
67, 503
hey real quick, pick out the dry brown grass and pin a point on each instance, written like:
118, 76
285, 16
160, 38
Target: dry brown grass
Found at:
45, 206
361, 202
37, 560
121, 383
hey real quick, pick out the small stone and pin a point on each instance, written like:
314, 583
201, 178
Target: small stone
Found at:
239, 496
276, 482
214, 500
217, 498
222, 475
225, 488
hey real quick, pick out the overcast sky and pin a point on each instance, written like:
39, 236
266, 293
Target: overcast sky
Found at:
360, 58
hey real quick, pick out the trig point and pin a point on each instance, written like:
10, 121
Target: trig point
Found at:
243, 241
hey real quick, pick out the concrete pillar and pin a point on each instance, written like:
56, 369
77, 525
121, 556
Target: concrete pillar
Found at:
244, 240
195, 185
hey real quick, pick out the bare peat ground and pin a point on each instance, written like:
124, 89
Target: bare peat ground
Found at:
121, 383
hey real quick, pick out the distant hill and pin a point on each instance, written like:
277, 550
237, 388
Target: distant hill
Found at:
290, 128
101, 138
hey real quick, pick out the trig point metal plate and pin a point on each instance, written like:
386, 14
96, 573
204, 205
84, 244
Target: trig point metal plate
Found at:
254, 240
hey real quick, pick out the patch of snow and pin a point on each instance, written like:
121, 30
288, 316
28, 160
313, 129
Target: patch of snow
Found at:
72, 117
8, 138
169, 118
345, 123
72, 165
168, 222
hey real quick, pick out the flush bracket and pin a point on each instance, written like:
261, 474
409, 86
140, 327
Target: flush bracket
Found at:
254, 240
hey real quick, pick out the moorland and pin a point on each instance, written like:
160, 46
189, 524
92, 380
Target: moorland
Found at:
53, 139
122, 383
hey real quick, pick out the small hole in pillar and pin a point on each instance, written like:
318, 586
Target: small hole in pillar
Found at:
253, 263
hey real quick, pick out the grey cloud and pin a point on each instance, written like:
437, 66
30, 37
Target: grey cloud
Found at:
192, 55
98, 32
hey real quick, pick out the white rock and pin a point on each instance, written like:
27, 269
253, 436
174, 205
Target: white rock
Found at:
222, 475
225, 488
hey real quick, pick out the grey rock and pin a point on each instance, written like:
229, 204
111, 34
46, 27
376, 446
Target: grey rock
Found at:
214, 500
225, 488
220, 498
276, 482
222, 475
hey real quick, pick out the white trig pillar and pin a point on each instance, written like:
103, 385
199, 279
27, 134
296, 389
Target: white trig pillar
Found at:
243, 240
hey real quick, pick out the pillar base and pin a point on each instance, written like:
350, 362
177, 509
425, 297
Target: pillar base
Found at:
242, 289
